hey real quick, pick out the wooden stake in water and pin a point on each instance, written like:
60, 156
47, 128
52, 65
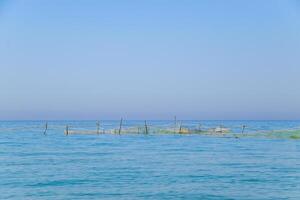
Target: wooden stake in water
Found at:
146, 127
175, 123
180, 127
46, 128
121, 123
98, 127
244, 126
67, 130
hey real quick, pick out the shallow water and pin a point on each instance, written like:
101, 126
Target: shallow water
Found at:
154, 166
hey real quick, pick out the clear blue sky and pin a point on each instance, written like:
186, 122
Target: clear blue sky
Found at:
150, 59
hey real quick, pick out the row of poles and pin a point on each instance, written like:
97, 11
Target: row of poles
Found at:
98, 127
121, 124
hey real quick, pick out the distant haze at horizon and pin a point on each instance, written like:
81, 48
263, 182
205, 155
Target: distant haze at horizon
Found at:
150, 59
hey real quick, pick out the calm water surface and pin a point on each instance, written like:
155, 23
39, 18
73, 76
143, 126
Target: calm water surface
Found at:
154, 166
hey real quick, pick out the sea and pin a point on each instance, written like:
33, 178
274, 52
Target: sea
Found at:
39, 161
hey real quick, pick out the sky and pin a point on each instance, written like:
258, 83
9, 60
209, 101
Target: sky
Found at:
149, 59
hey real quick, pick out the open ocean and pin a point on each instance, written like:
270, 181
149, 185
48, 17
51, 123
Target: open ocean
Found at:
35, 166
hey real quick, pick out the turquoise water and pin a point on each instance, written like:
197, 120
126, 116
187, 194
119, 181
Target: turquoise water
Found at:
153, 166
